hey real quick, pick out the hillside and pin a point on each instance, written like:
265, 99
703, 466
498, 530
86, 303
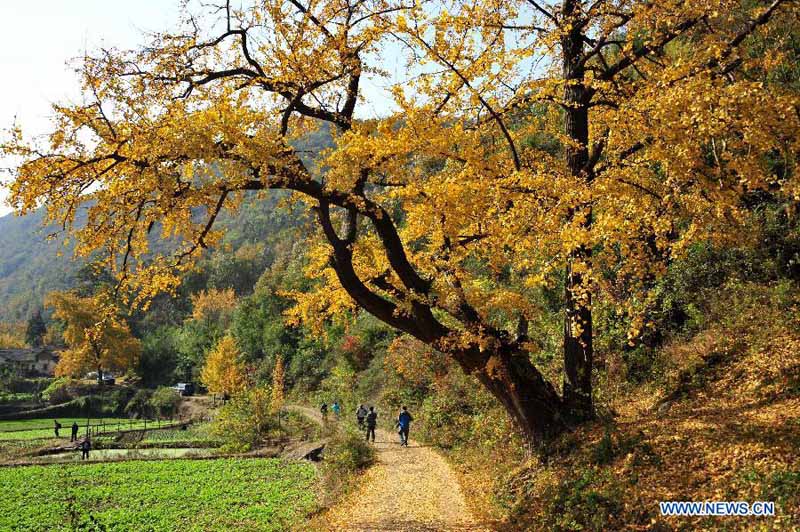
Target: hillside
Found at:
720, 423
31, 264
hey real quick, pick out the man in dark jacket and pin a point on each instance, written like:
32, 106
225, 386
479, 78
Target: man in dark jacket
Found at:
56, 427
86, 446
74, 436
404, 424
372, 422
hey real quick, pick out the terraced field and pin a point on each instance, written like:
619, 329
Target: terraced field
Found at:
223, 494
31, 429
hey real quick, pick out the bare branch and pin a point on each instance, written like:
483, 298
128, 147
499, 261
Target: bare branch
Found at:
542, 10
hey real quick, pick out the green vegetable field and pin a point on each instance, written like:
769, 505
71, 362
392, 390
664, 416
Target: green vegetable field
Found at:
190, 495
197, 433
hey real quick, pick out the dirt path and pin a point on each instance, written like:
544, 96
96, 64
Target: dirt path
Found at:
408, 489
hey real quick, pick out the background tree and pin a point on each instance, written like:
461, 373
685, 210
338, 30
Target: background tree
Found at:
92, 278
211, 316
36, 329
223, 373
165, 402
214, 307
575, 144
96, 337
12, 335
139, 405
278, 384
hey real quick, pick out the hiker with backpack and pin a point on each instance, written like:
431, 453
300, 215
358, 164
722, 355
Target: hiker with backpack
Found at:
404, 425
372, 422
361, 414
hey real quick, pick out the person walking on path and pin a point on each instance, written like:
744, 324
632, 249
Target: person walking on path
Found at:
86, 446
361, 413
324, 411
372, 422
74, 436
404, 424
336, 409
56, 427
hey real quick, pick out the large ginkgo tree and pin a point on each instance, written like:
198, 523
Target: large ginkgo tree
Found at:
529, 143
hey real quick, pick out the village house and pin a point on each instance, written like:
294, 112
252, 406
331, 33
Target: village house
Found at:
40, 361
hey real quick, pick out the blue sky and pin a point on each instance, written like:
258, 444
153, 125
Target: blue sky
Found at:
39, 37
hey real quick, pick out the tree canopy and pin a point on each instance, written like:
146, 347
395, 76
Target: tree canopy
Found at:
35, 330
96, 337
276, 402
570, 144
223, 372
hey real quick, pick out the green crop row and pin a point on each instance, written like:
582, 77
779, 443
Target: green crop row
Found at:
190, 495
191, 434
6, 397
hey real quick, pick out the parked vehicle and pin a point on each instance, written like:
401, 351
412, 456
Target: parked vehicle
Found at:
104, 378
186, 389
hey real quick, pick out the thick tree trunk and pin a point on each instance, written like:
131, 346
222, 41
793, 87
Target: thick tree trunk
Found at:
578, 351
504, 369
531, 401
577, 385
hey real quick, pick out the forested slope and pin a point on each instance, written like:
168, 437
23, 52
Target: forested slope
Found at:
30, 265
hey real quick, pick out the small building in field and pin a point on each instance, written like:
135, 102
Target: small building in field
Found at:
36, 362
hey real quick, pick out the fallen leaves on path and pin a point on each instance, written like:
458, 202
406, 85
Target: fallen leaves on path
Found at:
409, 488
